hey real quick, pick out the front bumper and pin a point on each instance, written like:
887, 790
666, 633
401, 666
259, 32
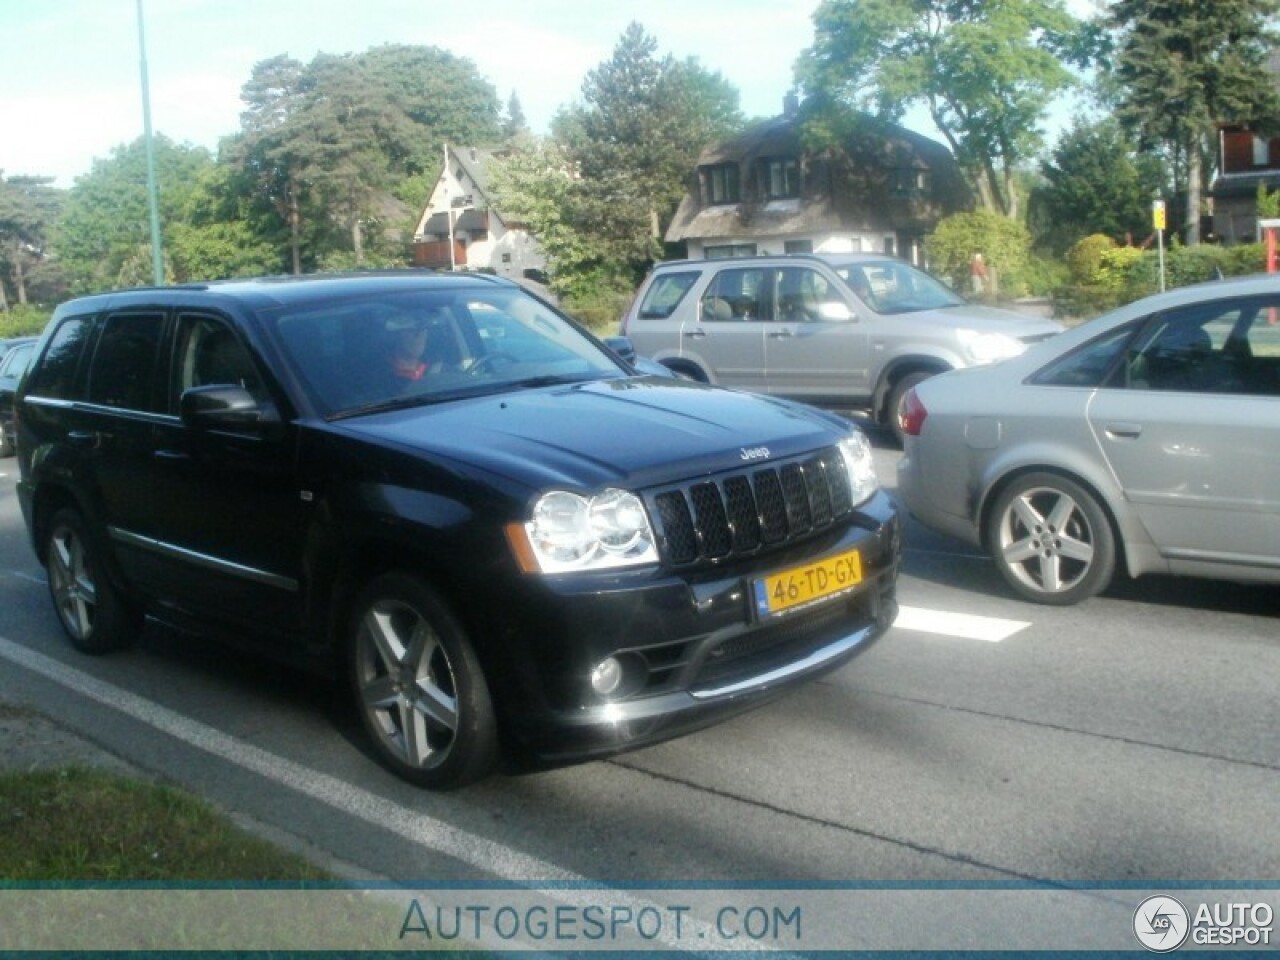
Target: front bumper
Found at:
696, 641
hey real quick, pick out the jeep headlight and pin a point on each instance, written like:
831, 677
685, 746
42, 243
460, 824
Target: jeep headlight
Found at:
982, 348
859, 465
568, 531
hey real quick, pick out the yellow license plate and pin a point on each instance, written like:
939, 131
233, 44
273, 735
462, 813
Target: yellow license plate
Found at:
813, 581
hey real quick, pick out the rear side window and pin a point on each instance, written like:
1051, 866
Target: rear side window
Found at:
665, 294
55, 377
123, 373
1087, 366
739, 295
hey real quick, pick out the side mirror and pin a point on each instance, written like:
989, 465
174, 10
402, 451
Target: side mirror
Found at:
225, 407
623, 347
834, 310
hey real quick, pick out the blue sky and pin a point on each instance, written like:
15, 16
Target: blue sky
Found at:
71, 67
71, 70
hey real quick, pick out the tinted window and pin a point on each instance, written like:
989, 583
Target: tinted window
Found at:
1231, 347
665, 293
56, 376
125, 360
210, 353
1086, 366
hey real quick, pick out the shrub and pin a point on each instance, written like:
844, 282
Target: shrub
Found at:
23, 320
1084, 259
1005, 245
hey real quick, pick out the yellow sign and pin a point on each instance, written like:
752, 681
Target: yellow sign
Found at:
1157, 214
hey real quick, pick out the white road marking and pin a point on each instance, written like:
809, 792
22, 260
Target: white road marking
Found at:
965, 625
416, 826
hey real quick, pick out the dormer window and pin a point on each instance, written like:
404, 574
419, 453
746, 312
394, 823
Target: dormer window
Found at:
909, 181
720, 184
780, 177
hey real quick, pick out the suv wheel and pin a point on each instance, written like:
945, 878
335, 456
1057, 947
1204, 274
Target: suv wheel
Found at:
94, 615
418, 684
1051, 540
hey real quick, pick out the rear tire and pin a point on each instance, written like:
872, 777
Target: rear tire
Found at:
1051, 540
419, 686
95, 616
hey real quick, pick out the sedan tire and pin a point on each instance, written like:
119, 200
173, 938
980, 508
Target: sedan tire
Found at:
94, 615
1051, 540
419, 687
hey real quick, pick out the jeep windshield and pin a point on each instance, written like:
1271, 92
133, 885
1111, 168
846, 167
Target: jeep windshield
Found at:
393, 350
890, 286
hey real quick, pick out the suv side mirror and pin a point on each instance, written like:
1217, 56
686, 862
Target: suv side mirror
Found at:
224, 407
623, 347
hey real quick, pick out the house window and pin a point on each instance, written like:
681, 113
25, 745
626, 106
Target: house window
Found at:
720, 184
780, 177
1261, 152
798, 246
908, 181
722, 250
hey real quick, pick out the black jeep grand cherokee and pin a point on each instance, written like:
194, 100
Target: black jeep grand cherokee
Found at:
510, 542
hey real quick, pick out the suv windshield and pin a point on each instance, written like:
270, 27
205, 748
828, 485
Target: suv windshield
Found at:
361, 354
889, 286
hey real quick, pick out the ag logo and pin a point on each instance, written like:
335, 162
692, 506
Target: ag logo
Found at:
1161, 924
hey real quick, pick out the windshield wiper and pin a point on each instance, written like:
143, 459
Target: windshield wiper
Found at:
385, 406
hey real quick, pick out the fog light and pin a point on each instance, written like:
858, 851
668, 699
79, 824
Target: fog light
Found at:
606, 678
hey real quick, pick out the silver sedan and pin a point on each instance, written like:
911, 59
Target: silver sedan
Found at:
1147, 439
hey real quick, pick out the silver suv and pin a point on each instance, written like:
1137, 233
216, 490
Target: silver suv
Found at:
848, 330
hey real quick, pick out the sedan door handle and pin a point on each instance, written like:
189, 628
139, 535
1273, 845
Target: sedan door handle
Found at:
783, 334
1124, 431
172, 455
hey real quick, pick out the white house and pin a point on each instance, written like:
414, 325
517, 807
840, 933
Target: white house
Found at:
461, 229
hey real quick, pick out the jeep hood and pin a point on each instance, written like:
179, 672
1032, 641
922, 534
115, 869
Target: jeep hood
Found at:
636, 432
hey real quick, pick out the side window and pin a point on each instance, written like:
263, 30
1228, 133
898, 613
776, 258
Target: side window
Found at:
738, 295
1088, 366
209, 353
56, 375
1211, 348
124, 363
801, 294
665, 294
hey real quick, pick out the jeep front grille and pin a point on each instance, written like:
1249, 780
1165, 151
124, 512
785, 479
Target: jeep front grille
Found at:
739, 513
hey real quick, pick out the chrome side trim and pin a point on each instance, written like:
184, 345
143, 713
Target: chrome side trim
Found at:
816, 659
203, 560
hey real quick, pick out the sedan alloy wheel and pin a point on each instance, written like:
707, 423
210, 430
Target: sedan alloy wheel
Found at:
1051, 540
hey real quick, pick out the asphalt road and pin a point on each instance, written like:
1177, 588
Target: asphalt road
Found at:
1133, 738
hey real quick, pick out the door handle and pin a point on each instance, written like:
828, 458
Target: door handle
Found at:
87, 439
783, 334
172, 455
695, 334
1123, 431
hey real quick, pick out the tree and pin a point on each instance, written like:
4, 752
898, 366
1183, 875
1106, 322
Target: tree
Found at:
986, 70
323, 142
1181, 67
29, 206
106, 220
1094, 182
634, 140
514, 124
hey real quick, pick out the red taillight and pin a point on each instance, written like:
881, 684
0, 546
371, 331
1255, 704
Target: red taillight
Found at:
912, 414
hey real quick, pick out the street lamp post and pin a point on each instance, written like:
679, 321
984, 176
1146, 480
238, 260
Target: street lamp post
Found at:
157, 255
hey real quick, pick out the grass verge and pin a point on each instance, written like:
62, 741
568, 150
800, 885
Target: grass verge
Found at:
79, 825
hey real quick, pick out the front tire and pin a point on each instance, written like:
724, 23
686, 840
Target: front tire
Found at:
1051, 540
93, 613
419, 687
